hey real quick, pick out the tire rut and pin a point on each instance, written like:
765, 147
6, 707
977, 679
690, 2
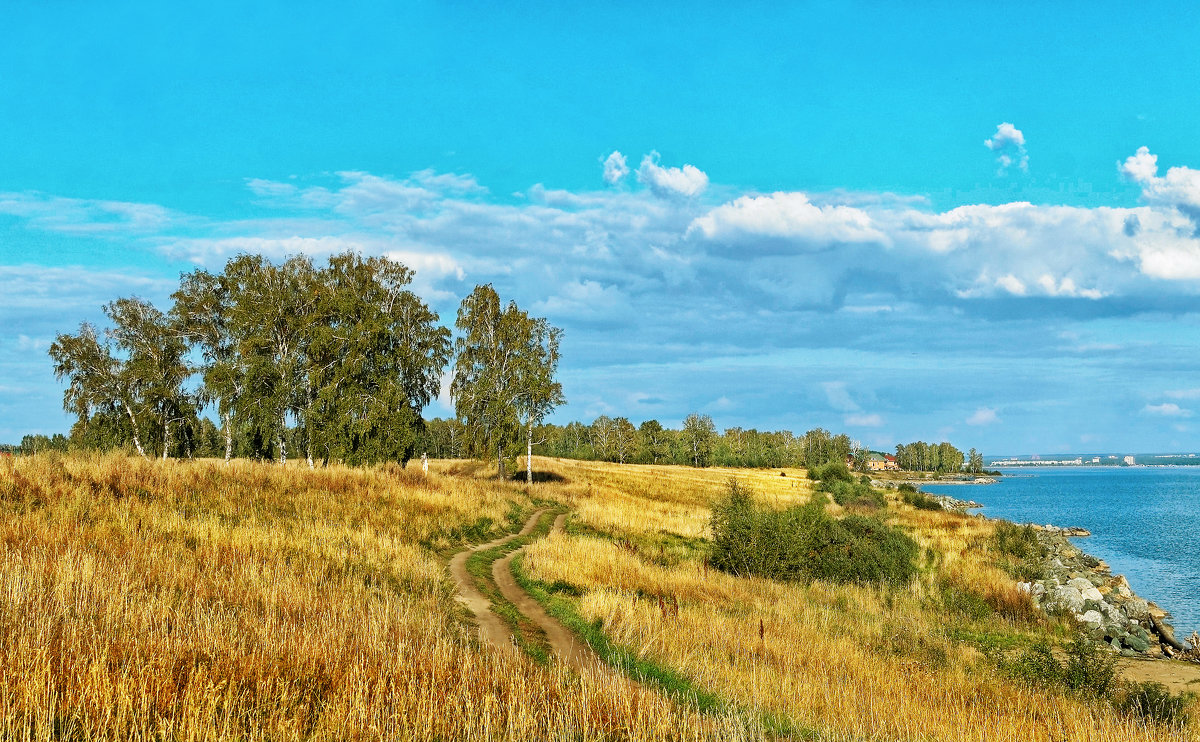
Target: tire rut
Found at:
566, 645
491, 629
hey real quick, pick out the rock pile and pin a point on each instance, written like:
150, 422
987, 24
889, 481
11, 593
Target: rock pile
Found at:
1083, 586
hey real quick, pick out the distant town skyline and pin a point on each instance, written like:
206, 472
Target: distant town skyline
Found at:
898, 222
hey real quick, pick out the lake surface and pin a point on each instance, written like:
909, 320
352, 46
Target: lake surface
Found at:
1145, 523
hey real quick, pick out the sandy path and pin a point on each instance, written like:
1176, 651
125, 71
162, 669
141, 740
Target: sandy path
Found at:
565, 644
491, 628
1177, 676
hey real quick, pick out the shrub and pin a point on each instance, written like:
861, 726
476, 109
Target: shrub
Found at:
918, 500
832, 471
850, 494
1017, 541
806, 543
1150, 700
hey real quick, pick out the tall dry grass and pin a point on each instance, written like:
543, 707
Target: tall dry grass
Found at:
197, 601
861, 662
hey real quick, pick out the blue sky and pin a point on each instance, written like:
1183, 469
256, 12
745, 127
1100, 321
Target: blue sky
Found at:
897, 221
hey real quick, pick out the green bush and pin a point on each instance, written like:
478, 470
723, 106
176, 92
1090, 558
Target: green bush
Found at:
833, 471
918, 500
1022, 555
852, 493
1150, 700
806, 543
1017, 541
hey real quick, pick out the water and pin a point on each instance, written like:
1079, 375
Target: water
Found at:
1145, 523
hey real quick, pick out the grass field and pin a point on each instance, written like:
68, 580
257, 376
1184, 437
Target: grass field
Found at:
197, 600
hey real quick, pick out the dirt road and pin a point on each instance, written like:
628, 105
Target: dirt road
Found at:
491, 628
562, 641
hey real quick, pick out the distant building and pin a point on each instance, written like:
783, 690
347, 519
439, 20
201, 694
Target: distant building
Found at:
1128, 460
882, 462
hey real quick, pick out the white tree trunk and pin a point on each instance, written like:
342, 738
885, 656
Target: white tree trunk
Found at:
228, 437
529, 453
166, 438
279, 439
137, 443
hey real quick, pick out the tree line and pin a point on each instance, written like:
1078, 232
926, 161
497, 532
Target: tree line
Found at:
941, 458
328, 363
697, 443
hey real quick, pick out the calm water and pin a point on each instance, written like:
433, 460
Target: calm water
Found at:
1145, 523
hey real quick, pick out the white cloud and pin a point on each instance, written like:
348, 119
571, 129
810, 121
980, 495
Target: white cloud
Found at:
671, 182
1193, 393
983, 416
615, 168
1009, 142
839, 397
864, 421
790, 216
1012, 284
1066, 287
1140, 167
1167, 409
86, 216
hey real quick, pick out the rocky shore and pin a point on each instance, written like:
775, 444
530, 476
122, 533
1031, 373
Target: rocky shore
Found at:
1078, 584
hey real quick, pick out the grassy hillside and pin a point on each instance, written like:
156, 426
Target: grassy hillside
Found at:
195, 600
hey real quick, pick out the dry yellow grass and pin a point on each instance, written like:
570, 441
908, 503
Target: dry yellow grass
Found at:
868, 663
143, 600
194, 600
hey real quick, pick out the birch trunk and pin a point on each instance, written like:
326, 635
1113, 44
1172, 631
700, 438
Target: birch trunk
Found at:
228, 437
500, 460
279, 439
529, 453
137, 443
166, 437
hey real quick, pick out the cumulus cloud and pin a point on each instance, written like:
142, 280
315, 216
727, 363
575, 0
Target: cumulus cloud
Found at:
1168, 245
1140, 167
789, 216
983, 416
1166, 409
671, 182
1009, 144
615, 168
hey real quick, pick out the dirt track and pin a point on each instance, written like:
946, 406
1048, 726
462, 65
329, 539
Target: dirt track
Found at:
491, 628
565, 645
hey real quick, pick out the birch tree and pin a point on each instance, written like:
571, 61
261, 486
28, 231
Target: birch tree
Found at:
95, 378
154, 366
202, 312
504, 373
375, 360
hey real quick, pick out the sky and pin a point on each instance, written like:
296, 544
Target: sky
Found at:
942, 221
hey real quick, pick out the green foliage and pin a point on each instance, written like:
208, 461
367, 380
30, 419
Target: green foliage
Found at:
1150, 700
697, 439
806, 543
854, 494
504, 374
1017, 541
1089, 671
1021, 553
917, 499
831, 471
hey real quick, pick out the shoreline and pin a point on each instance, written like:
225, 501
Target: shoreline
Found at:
1083, 586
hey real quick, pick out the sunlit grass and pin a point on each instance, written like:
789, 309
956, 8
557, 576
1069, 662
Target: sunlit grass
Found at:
142, 600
